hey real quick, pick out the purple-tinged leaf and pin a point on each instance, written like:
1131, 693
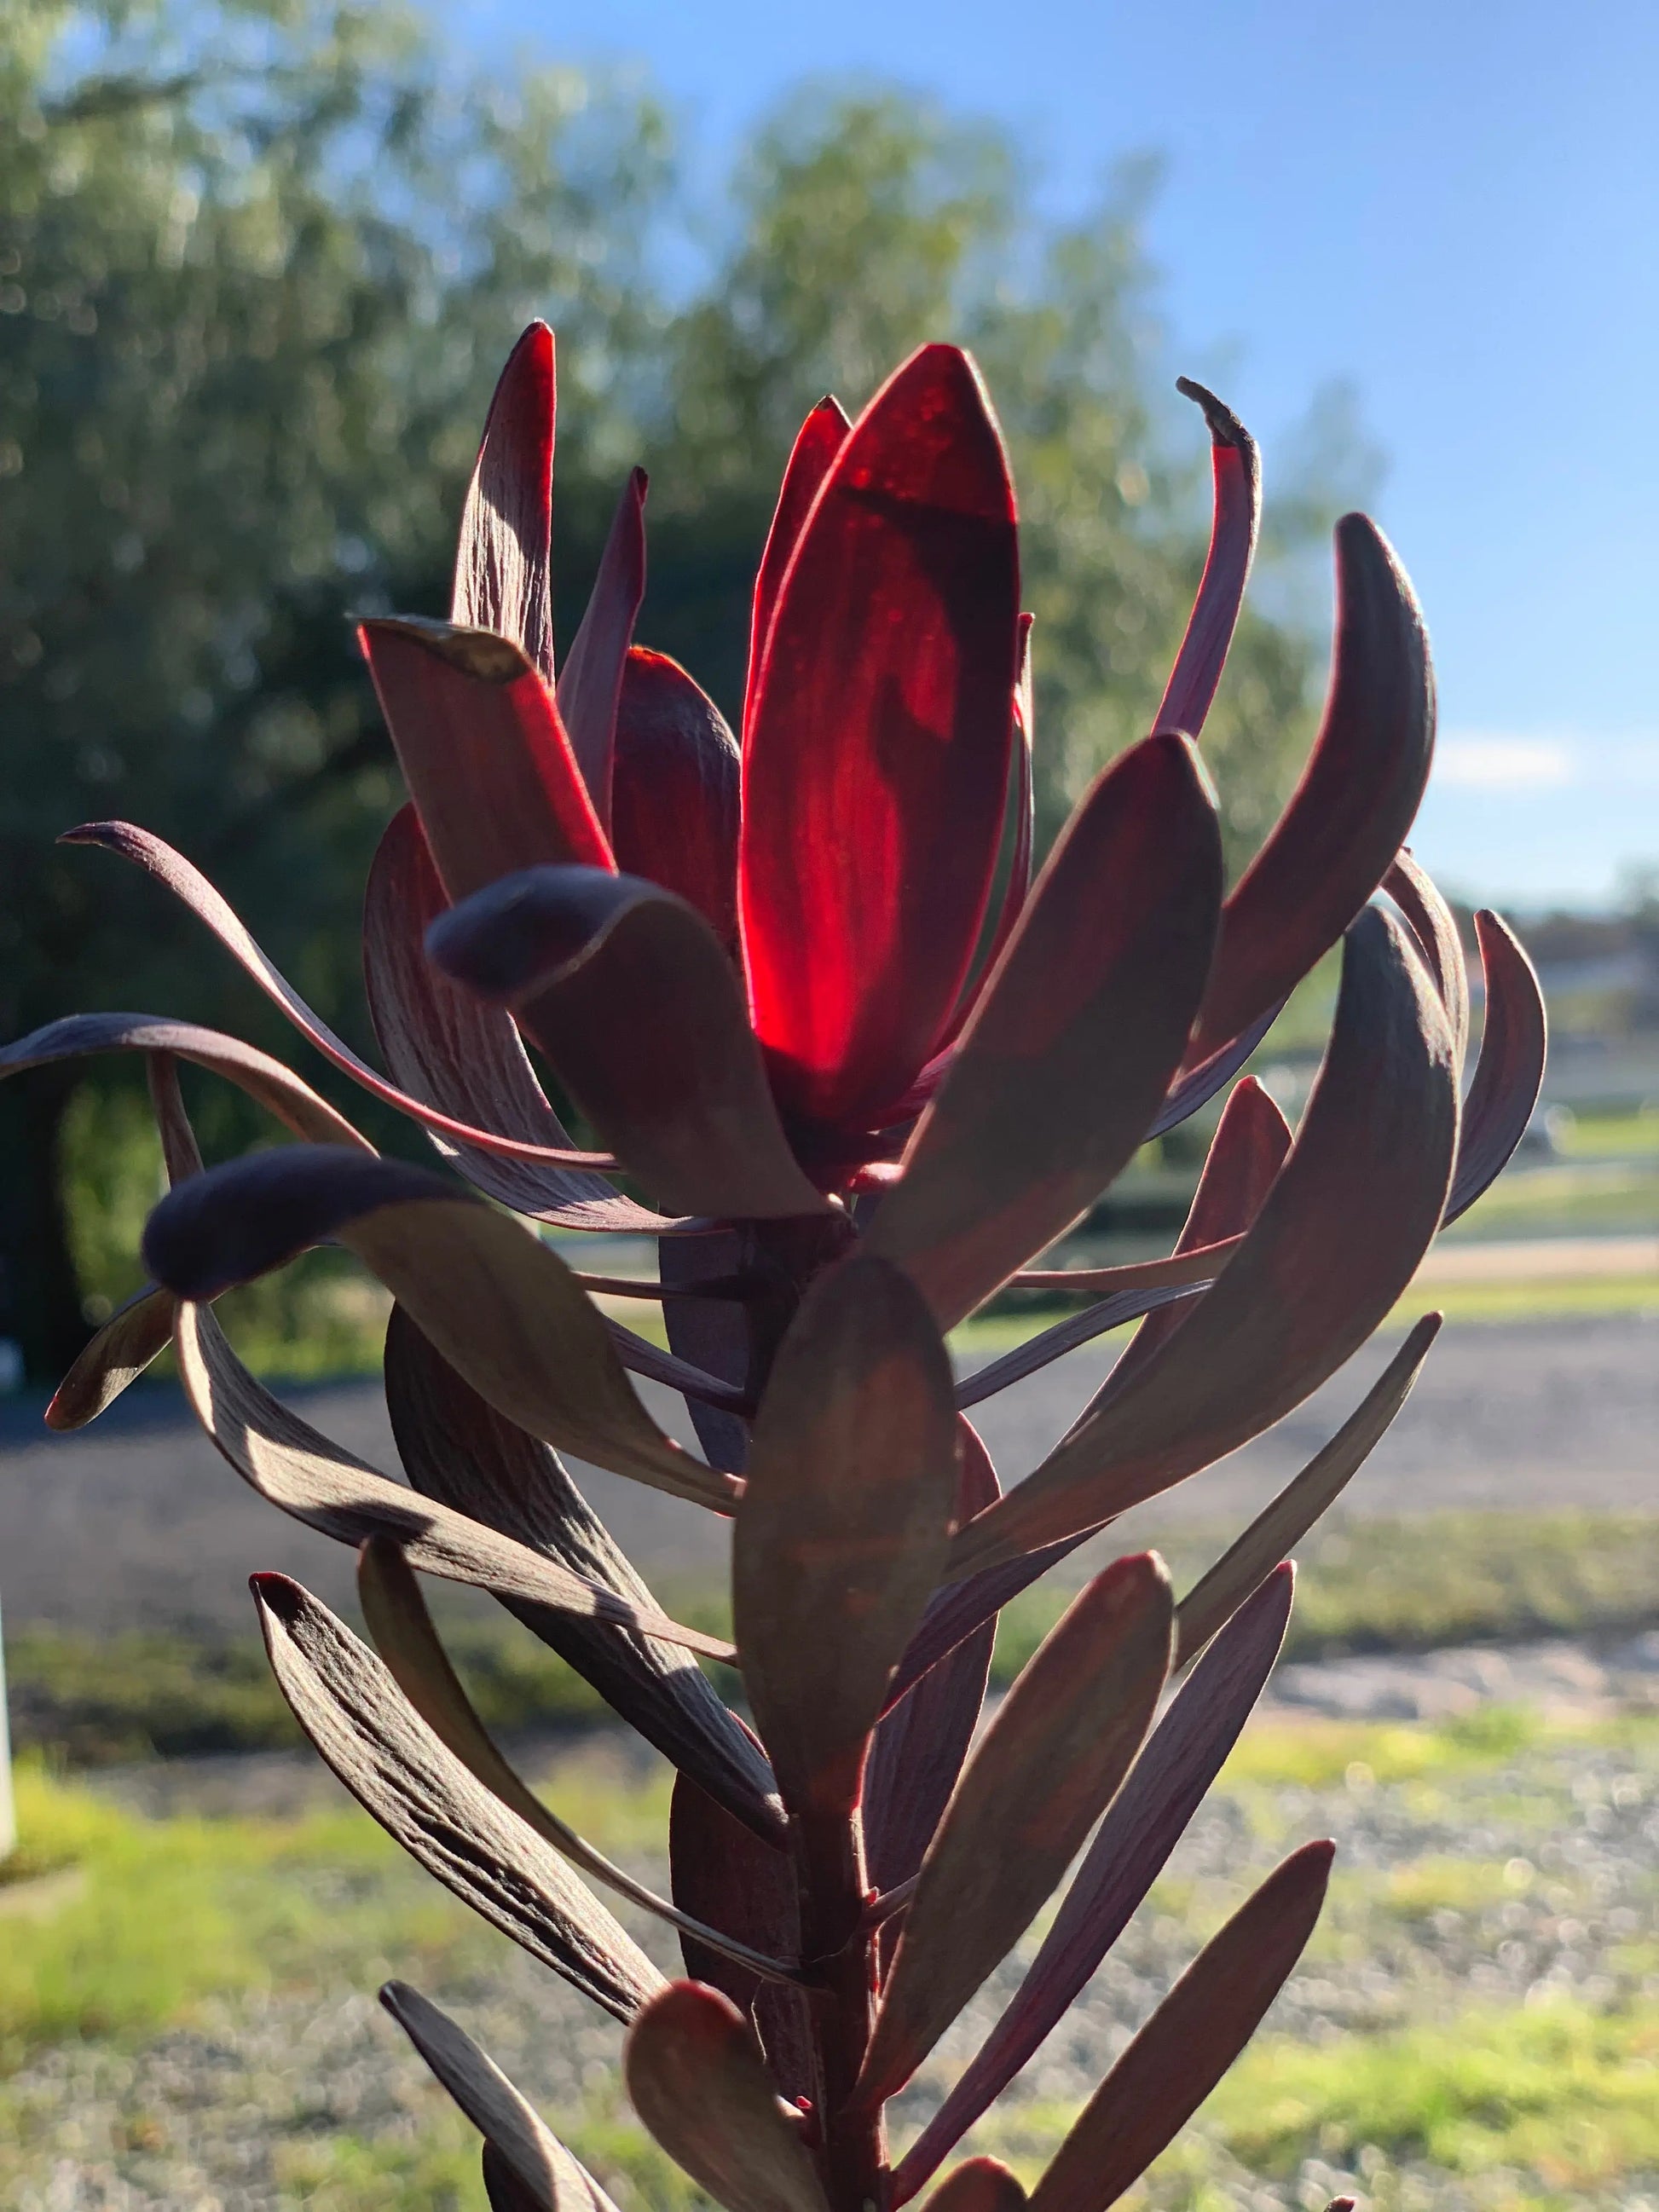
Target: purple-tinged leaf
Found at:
1046, 1769
1349, 1218
590, 681
881, 724
298, 1469
1510, 1072
1074, 1038
1195, 1264
503, 564
457, 1449
962, 1609
398, 1620
1237, 514
712, 1333
1165, 1787
1249, 1148
676, 790
839, 1538
626, 990
1349, 815
640, 1357
444, 1045
1199, 1085
548, 2177
722, 1873
917, 1751
501, 1307
696, 2078
1063, 1336
1280, 1526
422, 1795
1434, 928
1190, 2041
979, 2185
482, 751
819, 439
266, 1080
193, 889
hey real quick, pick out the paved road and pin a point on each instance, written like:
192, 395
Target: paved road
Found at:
137, 1520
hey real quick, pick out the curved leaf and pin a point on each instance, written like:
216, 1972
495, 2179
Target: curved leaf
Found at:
1341, 1236
819, 439
498, 1304
1074, 1038
404, 1635
266, 1080
1236, 467
193, 889
625, 990
1047, 1766
1148, 1818
696, 2078
1510, 1072
422, 1795
1200, 1083
1434, 927
713, 1333
457, 1449
298, 1469
589, 683
482, 751
1190, 2041
839, 1538
443, 1045
1348, 816
503, 564
541, 2167
881, 726
1063, 1336
1283, 1523
676, 790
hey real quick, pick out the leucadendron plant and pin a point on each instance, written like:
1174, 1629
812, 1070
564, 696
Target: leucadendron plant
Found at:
855, 1071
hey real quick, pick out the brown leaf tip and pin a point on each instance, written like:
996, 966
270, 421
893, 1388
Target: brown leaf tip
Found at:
1224, 427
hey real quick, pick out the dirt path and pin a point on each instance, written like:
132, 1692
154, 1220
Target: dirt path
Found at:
137, 1520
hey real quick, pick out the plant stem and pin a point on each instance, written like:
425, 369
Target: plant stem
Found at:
835, 1937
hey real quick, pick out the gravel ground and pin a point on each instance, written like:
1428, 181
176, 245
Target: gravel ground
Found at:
226, 2115
137, 1521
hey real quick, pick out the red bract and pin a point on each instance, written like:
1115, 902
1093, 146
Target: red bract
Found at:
851, 1104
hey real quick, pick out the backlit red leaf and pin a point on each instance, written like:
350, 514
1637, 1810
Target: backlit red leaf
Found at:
676, 790
589, 683
1237, 513
819, 440
503, 562
876, 765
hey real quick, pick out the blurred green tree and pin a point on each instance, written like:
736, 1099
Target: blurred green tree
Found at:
259, 266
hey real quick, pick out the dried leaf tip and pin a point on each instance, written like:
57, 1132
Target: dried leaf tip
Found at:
1224, 427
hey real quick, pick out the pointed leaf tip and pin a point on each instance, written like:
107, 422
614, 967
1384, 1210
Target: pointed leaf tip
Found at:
503, 559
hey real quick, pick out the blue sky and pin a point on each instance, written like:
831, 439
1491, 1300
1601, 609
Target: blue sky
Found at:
1452, 204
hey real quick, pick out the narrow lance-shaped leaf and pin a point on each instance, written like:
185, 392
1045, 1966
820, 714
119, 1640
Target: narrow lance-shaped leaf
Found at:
1349, 815
1074, 1039
298, 1470
626, 990
711, 1331
887, 737
917, 1752
1237, 514
695, 2077
1061, 1337
458, 1449
1189, 2042
819, 439
399, 1772
498, 1304
1344, 1227
482, 750
1147, 1817
839, 1538
266, 1080
503, 562
404, 1635
541, 2166
723, 1875
1280, 1526
192, 889
445, 1045
1434, 926
589, 683
676, 789
1047, 1766
1510, 1072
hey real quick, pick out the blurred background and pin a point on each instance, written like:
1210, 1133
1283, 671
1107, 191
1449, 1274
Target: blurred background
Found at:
259, 266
